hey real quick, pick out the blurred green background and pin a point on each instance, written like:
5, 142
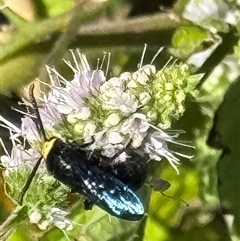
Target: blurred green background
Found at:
205, 34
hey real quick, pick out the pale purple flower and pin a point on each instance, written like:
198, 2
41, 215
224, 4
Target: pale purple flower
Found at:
114, 97
29, 130
19, 156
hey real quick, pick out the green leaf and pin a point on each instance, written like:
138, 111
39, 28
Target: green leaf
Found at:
226, 135
188, 39
55, 8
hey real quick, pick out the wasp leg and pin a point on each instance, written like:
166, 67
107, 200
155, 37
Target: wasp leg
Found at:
87, 204
84, 145
29, 181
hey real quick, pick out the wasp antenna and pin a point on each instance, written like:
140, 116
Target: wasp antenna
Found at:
35, 106
29, 181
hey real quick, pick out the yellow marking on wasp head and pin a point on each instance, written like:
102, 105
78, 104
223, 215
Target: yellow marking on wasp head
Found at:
47, 146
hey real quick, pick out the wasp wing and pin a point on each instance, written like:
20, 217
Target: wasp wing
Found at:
111, 194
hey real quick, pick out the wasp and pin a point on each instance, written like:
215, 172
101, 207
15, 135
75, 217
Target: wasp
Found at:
110, 187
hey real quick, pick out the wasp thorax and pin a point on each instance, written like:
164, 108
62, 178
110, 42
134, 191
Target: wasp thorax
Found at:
47, 146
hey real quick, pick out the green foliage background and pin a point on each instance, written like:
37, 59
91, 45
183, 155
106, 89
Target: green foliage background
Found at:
209, 183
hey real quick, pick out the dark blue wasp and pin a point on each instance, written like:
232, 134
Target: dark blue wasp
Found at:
111, 187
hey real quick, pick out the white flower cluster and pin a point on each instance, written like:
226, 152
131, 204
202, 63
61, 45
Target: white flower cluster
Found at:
55, 217
112, 111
